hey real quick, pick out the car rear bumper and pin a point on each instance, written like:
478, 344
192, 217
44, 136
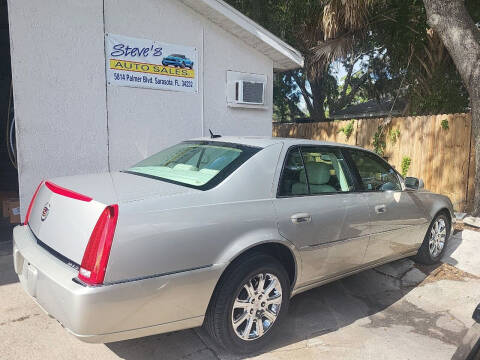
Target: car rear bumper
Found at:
111, 312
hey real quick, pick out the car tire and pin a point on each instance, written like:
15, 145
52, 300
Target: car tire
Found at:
182, 65
241, 285
435, 241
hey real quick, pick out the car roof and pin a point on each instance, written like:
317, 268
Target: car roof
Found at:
264, 141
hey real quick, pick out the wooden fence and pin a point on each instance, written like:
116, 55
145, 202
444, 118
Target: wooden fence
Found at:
443, 157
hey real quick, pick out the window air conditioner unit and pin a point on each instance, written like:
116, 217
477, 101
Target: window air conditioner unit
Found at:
249, 92
246, 90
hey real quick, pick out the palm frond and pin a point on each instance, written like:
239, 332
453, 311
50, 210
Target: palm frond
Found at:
326, 52
331, 21
356, 13
341, 16
343, 22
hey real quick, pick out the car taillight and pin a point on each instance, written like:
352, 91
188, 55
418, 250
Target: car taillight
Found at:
66, 192
95, 258
27, 217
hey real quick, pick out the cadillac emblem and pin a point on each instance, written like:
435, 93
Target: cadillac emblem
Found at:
45, 211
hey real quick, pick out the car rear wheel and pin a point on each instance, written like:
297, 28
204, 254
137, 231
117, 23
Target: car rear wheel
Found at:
435, 241
249, 304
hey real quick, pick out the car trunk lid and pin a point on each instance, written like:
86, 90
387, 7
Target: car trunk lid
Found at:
63, 222
66, 209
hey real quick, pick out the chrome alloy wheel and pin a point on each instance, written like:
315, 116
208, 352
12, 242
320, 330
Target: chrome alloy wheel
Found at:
438, 235
256, 306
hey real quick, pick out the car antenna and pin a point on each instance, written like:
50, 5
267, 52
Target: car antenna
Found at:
214, 136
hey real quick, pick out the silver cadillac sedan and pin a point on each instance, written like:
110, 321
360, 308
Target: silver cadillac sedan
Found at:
221, 232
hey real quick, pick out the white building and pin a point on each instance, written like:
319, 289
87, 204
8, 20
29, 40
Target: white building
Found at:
91, 93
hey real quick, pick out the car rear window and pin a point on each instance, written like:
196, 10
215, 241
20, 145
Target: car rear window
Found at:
197, 164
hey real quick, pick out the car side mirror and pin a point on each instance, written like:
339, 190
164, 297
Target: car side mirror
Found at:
414, 183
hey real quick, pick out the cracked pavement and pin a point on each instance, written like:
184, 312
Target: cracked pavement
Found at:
396, 311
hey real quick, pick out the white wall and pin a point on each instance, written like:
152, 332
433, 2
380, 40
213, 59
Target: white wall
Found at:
143, 121
224, 52
62, 102
58, 70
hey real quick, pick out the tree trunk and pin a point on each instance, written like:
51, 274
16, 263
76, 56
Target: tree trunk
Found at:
318, 94
450, 19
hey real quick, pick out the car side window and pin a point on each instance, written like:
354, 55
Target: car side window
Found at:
326, 171
314, 170
291, 171
375, 174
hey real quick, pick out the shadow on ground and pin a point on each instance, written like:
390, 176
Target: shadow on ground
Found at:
7, 275
311, 314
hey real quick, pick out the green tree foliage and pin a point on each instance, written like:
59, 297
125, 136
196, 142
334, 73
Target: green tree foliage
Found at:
414, 54
305, 24
393, 135
385, 46
378, 141
348, 129
406, 161
444, 124
286, 97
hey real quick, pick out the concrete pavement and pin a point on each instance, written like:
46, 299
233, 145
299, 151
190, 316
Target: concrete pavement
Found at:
396, 311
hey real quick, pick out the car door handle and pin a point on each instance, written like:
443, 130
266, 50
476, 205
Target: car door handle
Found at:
380, 209
301, 218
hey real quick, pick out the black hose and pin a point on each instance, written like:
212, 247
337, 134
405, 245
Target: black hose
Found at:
11, 149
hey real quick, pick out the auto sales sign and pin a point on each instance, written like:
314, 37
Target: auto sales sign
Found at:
150, 64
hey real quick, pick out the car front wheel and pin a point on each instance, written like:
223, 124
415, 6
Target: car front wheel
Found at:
435, 241
249, 304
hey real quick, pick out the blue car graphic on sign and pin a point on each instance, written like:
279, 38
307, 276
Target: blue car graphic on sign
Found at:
177, 60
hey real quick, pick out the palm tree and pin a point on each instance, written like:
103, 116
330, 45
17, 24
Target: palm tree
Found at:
343, 23
328, 36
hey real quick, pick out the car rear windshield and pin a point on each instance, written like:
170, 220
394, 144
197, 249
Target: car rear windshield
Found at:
197, 164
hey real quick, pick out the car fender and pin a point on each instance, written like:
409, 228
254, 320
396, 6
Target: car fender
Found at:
433, 203
251, 239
